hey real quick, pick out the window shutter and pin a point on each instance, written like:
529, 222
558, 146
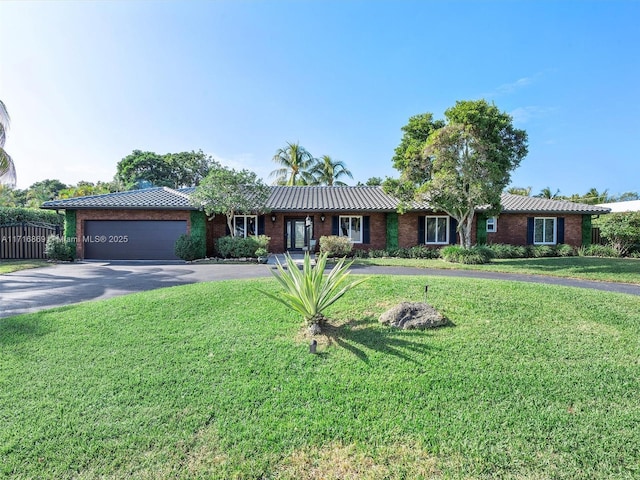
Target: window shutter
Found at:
481, 229
560, 226
422, 225
334, 225
453, 235
530, 228
261, 225
366, 235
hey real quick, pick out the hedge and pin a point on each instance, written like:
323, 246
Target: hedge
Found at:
19, 214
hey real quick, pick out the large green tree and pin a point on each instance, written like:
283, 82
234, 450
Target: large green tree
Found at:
467, 163
230, 192
328, 171
415, 135
296, 165
7, 167
144, 169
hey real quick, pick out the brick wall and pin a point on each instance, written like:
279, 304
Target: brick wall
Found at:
216, 228
408, 229
512, 229
276, 230
121, 214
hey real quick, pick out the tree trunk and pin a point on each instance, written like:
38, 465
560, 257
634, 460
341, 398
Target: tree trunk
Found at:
232, 231
465, 225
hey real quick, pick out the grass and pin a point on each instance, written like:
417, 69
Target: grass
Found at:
215, 381
8, 266
622, 270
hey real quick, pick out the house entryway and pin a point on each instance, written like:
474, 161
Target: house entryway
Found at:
298, 233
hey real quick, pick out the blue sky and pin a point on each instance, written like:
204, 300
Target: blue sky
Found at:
86, 83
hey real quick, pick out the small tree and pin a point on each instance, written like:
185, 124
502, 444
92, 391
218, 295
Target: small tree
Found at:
621, 230
230, 192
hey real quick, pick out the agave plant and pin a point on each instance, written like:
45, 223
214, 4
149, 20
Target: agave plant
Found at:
308, 291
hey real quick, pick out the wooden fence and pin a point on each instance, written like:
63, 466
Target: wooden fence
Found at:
21, 241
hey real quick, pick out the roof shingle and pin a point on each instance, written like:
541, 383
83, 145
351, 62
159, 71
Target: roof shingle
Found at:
307, 198
157, 198
519, 203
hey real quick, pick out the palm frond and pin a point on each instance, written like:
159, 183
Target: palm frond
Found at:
308, 291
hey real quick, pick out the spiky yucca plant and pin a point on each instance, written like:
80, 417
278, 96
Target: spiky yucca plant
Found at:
308, 291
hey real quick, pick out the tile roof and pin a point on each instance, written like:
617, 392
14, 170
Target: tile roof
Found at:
520, 203
160, 198
331, 199
307, 198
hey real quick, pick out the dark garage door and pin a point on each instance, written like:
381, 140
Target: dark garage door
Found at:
132, 239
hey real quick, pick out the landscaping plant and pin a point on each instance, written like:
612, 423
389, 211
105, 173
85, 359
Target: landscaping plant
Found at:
188, 248
308, 291
58, 248
335, 246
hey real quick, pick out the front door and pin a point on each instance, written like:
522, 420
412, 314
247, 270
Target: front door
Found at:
297, 234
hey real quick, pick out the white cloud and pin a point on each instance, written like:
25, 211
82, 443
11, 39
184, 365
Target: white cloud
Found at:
512, 87
525, 114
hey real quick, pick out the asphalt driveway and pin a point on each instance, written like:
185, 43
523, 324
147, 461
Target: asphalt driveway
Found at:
63, 284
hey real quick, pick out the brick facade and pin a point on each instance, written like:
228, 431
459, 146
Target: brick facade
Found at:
512, 228
217, 227
408, 229
83, 215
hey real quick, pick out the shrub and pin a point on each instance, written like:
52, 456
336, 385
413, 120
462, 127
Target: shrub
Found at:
621, 230
308, 291
188, 247
539, 251
263, 242
503, 250
402, 253
420, 251
564, 250
360, 253
378, 253
19, 214
240, 247
58, 248
595, 250
335, 246
474, 255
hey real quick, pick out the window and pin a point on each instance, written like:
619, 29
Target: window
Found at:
437, 230
492, 225
544, 231
351, 227
245, 225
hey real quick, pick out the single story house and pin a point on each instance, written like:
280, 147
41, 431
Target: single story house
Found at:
144, 224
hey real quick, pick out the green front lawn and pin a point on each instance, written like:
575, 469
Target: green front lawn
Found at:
624, 270
8, 266
215, 381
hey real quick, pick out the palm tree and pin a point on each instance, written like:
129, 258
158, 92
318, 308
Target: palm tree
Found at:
327, 171
594, 197
296, 163
7, 168
546, 193
525, 191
